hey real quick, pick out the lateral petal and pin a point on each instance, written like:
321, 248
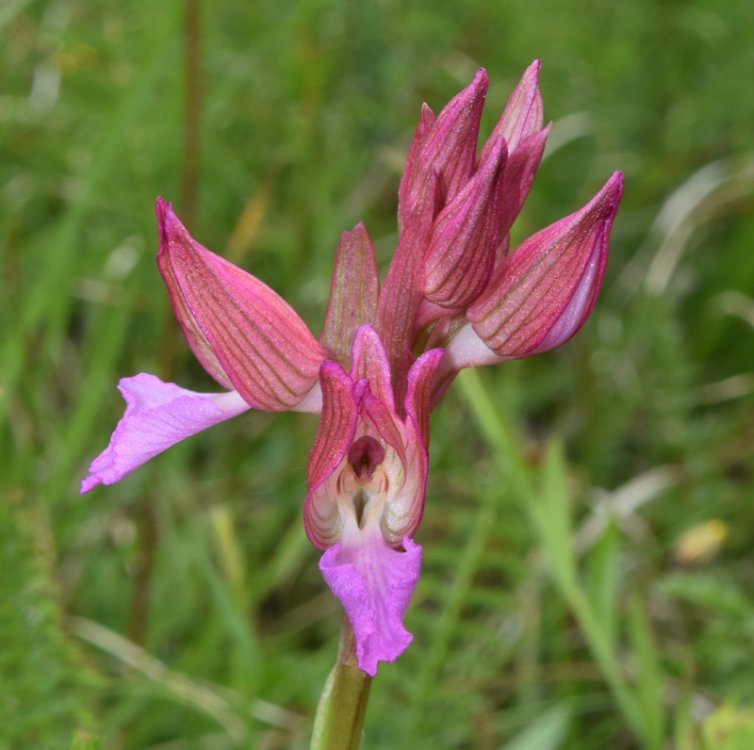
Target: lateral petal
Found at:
240, 329
158, 415
354, 292
544, 291
374, 583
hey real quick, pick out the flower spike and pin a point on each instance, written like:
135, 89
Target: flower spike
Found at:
453, 297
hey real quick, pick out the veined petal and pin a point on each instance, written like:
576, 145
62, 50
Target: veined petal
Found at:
545, 290
240, 329
449, 147
403, 513
374, 582
157, 416
465, 236
522, 115
335, 432
354, 292
420, 378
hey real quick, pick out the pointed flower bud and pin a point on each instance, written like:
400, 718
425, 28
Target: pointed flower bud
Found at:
522, 115
413, 171
545, 289
403, 289
448, 148
465, 235
521, 126
519, 175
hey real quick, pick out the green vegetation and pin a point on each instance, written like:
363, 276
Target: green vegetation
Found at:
589, 525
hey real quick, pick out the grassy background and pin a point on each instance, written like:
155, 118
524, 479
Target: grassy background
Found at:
589, 526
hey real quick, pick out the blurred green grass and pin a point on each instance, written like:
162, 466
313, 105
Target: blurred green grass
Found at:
199, 560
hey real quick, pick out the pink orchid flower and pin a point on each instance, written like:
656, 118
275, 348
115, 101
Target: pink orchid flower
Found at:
454, 296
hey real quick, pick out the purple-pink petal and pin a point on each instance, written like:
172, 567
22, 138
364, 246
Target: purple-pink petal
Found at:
157, 416
582, 299
420, 379
374, 582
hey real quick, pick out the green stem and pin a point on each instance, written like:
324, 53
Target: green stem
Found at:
343, 704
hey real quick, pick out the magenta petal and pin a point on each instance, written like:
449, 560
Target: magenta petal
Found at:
374, 582
420, 378
157, 416
404, 511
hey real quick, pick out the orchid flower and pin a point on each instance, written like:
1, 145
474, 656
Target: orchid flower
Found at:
454, 296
